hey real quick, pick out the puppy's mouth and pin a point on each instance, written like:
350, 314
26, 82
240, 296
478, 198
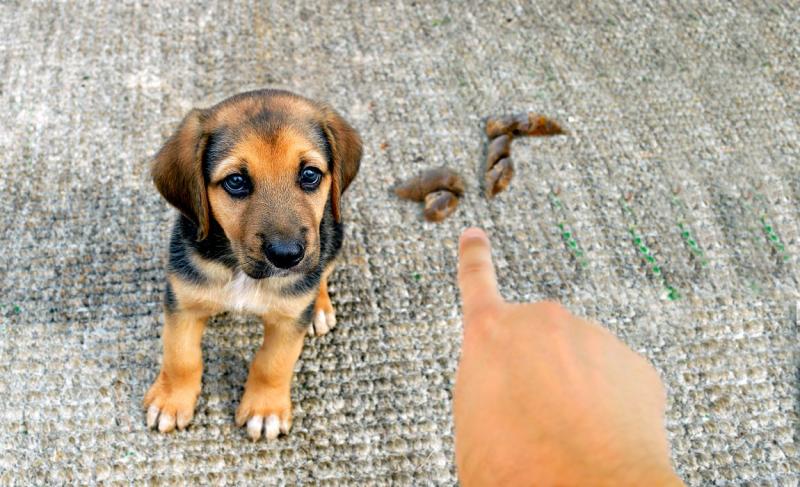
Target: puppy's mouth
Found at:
263, 269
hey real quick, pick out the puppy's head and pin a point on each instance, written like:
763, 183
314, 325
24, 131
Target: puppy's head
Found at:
264, 167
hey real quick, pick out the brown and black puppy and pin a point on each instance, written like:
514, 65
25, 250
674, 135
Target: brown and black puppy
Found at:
258, 180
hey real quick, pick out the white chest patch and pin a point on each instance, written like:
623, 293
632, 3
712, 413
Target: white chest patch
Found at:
245, 294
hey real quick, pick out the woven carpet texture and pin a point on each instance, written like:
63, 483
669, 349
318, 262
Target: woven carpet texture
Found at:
669, 213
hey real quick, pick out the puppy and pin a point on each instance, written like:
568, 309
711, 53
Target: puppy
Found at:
258, 180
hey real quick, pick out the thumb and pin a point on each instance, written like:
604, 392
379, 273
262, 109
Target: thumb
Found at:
476, 277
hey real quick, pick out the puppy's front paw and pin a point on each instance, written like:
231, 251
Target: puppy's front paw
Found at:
169, 404
322, 322
265, 410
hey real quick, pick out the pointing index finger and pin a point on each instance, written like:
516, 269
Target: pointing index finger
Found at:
476, 275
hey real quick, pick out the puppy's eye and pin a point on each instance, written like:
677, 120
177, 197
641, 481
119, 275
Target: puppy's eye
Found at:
310, 178
236, 185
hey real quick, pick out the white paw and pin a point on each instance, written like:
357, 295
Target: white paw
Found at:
165, 422
322, 323
272, 426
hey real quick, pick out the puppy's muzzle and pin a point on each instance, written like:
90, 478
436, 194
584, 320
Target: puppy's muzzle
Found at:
285, 254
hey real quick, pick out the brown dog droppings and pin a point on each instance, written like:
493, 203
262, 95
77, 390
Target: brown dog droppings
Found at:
499, 148
533, 124
500, 126
501, 132
522, 124
499, 177
439, 188
440, 178
439, 205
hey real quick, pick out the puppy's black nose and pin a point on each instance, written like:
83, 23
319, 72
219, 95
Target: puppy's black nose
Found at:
285, 253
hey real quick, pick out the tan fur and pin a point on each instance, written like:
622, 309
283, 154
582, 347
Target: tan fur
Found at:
268, 386
273, 166
346, 155
177, 386
177, 174
267, 390
323, 300
234, 291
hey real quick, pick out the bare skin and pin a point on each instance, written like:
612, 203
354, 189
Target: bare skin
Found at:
543, 397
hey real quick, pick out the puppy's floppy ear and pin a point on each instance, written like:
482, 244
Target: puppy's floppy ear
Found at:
345, 145
178, 174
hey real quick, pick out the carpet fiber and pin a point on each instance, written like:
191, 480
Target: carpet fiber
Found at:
669, 213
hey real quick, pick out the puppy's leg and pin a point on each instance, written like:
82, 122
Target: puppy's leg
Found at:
171, 399
324, 318
266, 404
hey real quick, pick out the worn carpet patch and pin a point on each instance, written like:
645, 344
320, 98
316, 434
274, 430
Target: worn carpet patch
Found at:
669, 214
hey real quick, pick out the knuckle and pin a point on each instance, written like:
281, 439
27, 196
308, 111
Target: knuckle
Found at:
472, 268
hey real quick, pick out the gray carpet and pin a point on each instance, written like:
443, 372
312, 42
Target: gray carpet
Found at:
681, 119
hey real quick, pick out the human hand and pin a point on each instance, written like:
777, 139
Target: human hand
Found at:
543, 397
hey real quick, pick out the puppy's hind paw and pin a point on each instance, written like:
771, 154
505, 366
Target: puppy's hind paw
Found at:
322, 323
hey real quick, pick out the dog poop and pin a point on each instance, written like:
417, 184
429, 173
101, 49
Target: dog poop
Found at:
439, 188
522, 124
499, 126
501, 132
428, 181
439, 205
498, 177
499, 148
532, 124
